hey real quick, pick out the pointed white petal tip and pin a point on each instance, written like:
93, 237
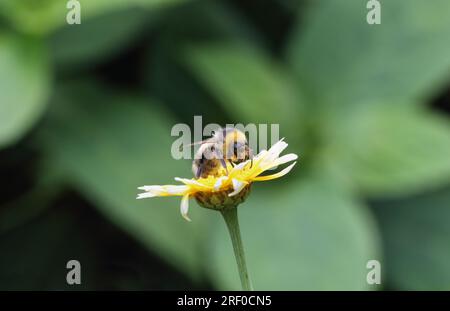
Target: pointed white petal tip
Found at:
145, 195
145, 188
274, 152
185, 216
284, 159
287, 169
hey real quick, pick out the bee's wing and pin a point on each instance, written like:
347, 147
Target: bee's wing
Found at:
196, 143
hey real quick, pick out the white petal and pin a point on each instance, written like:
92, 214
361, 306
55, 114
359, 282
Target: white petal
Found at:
145, 195
149, 188
189, 181
184, 207
237, 186
219, 182
152, 191
282, 160
175, 190
278, 147
276, 175
273, 153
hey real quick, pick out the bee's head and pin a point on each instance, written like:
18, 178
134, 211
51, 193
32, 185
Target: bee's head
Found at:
235, 144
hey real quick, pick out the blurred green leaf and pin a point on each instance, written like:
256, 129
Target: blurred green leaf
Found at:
24, 86
163, 75
341, 59
87, 43
34, 255
42, 17
416, 236
110, 144
223, 19
389, 150
248, 84
164, 70
304, 236
25, 208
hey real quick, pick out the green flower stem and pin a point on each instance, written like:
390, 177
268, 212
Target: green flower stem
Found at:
231, 218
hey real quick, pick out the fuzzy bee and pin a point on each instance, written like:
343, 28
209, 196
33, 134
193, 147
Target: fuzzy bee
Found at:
226, 145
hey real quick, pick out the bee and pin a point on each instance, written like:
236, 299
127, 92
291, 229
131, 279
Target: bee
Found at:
226, 145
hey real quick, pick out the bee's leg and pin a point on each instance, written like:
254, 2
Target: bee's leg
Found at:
224, 165
199, 172
231, 162
219, 156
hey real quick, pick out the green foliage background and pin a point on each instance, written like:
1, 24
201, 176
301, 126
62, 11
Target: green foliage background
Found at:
86, 113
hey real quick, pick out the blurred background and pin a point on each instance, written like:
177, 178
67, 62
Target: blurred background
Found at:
365, 106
